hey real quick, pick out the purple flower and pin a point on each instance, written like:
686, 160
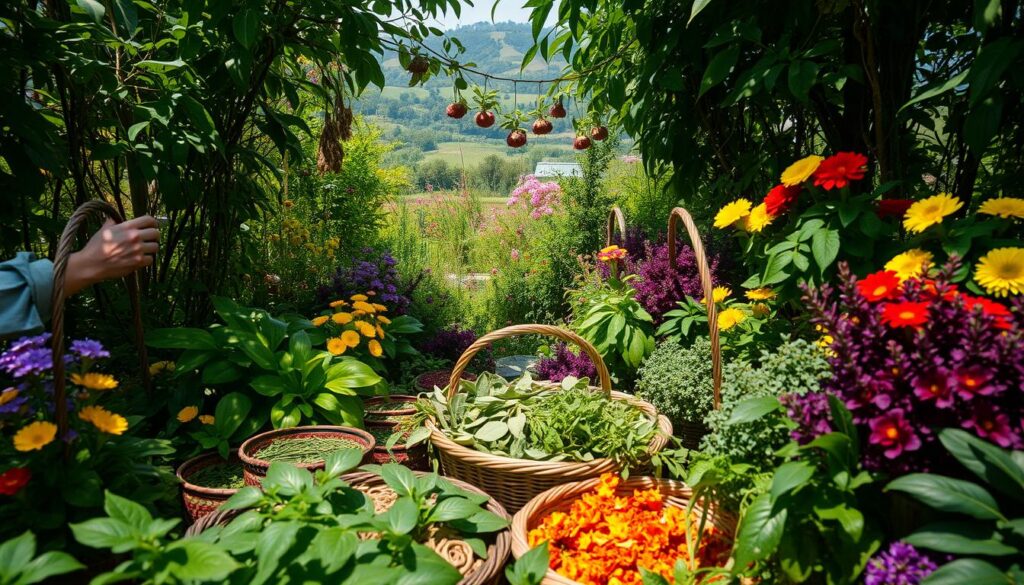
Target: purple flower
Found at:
975, 380
936, 385
450, 343
566, 363
376, 273
12, 399
30, 362
812, 414
989, 423
660, 286
901, 564
89, 348
894, 433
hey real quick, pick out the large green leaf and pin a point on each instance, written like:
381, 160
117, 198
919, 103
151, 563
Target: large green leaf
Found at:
752, 409
403, 515
759, 533
825, 248
964, 571
180, 338
131, 513
246, 26
203, 561
789, 476
103, 533
698, 6
937, 89
802, 76
48, 565
350, 373
960, 538
287, 479
16, 553
94, 9
221, 372
269, 385
231, 412
949, 495
990, 463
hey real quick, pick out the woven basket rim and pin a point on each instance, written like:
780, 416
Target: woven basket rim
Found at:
662, 433
560, 496
186, 469
250, 461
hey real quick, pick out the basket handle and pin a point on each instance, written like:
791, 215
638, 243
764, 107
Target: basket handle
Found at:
679, 214
515, 330
88, 210
615, 217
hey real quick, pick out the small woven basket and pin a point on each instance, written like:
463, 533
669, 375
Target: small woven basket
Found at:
254, 469
199, 500
396, 405
513, 482
615, 218
489, 573
676, 494
415, 458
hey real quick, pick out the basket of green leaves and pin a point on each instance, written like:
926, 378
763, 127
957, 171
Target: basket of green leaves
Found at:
304, 447
517, 439
207, 481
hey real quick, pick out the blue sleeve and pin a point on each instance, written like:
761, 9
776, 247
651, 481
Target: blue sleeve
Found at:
25, 288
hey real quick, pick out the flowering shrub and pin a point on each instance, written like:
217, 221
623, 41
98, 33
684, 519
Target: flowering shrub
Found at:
451, 342
603, 536
744, 327
542, 198
659, 286
909, 358
375, 272
359, 327
566, 363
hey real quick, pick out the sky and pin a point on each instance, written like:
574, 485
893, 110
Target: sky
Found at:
481, 12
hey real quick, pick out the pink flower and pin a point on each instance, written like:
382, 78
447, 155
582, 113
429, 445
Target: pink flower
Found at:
893, 432
515, 254
936, 385
989, 423
974, 380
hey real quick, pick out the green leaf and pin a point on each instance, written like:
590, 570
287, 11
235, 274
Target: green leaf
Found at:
342, 461
990, 463
351, 373
802, 75
428, 568
403, 515
246, 497
398, 478
102, 533
948, 495
825, 248
204, 561
289, 480
454, 508
231, 412
131, 513
276, 539
963, 571
269, 385
698, 6
789, 476
719, 68
93, 9
530, 568
481, 522
759, 533
937, 89
982, 122
962, 538
48, 565
752, 409
334, 547
246, 26
180, 338
220, 372
491, 431
16, 553
134, 129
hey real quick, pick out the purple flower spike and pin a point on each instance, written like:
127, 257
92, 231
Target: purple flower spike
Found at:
901, 564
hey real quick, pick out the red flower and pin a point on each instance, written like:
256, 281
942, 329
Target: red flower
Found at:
892, 207
883, 284
12, 480
780, 199
993, 309
893, 432
836, 171
905, 314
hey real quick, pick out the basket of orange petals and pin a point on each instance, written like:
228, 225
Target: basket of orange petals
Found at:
606, 529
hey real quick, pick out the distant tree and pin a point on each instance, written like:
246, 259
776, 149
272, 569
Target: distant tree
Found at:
438, 174
497, 174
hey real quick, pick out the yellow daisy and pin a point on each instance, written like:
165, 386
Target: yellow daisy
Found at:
35, 436
207, 419
760, 310
188, 413
375, 348
1003, 207
383, 319
351, 338
1001, 272
732, 212
910, 263
336, 346
760, 294
161, 366
335, 304
94, 381
366, 329
363, 298
342, 318
104, 420
729, 318
318, 321
364, 306
758, 219
358, 313
380, 308
801, 170
927, 212
718, 294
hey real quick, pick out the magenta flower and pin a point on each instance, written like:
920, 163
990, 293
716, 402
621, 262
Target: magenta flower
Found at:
893, 433
975, 380
989, 423
936, 385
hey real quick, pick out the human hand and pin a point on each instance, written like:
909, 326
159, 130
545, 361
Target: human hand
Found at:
115, 251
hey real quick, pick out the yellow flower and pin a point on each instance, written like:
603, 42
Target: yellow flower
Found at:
1003, 207
910, 263
380, 308
758, 219
358, 313
336, 346
825, 344
719, 294
366, 329
104, 420
375, 349
94, 381
8, 395
363, 298
318, 321
1001, 271
341, 318
801, 170
187, 414
928, 212
760, 294
207, 419
351, 338
364, 306
161, 366
383, 319
380, 331
729, 318
732, 212
760, 310
35, 436
335, 304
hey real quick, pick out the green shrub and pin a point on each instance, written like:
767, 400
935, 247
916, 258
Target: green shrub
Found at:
677, 380
795, 367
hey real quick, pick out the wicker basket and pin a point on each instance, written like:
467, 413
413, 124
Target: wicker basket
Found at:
415, 458
255, 469
677, 494
615, 218
199, 500
489, 573
513, 482
400, 405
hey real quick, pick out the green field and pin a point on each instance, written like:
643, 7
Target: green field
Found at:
472, 153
